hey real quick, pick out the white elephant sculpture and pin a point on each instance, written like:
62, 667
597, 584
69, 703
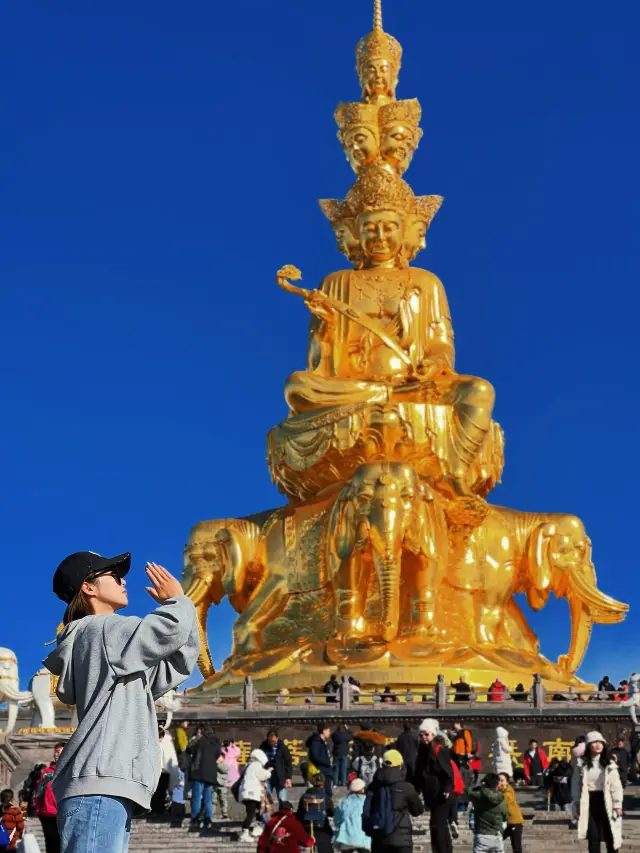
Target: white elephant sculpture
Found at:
38, 694
169, 703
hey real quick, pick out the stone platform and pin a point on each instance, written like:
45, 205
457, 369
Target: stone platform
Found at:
544, 831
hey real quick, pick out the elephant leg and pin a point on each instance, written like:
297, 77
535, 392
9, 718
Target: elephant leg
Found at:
489, 618
516, 626
428, 576
263, 608
351, 586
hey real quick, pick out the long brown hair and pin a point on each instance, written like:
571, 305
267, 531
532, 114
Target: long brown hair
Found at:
79, 607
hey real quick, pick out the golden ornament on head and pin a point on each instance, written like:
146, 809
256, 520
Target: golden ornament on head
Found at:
377, 188
334, 209
351, 115
426, 207
407, 112
378, 45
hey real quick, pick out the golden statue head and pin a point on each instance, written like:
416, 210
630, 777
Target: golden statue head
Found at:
344, 227
399, 132
378, 59
358, 133
380, 202
418, 224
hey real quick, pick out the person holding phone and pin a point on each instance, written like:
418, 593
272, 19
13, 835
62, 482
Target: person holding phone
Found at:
597, 796
113, 668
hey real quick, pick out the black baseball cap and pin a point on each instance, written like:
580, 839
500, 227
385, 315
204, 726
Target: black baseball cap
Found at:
76, 568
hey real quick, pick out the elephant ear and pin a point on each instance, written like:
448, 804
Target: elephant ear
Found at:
538, 569
238, 548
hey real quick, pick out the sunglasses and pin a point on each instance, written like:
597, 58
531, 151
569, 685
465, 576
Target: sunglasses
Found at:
110, 572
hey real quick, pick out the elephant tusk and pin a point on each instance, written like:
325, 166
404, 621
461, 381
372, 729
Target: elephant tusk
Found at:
198, 590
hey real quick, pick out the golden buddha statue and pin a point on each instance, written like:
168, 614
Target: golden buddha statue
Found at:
387, 561
396, 344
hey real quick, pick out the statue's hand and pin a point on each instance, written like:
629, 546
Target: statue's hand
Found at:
317, 303
434, 369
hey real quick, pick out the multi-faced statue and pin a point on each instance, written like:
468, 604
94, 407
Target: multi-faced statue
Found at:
382, 234
378, 58
418, 223
344, 227
358, 133
399, 132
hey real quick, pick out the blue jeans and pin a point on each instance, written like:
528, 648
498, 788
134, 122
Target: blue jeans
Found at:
95, 824
198, 790
340, 766
283, 793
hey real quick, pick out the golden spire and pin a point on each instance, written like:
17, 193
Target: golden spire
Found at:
377, 15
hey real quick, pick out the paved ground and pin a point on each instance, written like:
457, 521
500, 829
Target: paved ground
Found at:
543, 831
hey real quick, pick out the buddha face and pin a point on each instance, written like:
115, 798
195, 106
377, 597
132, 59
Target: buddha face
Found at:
348, 244
416, 239
381, 235
361, 147
398, 145
377, 77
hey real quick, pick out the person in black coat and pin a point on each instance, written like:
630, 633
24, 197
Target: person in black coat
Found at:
204, 775
405, 803
281, 765
434, 778
407, 745
623, 760
341, 740
319, 755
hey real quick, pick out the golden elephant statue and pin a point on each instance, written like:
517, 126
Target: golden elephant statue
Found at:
388, 527
327, 570
535, 553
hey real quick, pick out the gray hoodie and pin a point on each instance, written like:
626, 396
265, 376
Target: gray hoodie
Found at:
113, 668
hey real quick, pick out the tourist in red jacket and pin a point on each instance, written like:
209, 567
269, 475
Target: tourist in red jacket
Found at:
535, 762
496, 691
284, 833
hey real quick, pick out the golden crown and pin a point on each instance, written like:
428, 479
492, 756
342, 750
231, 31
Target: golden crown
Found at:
377, 188
401, 112
334, 209
378, 45
352, 115
426, 207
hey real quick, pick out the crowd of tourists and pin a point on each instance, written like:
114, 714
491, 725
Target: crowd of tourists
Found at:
113, 669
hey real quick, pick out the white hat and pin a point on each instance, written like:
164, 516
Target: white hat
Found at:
429, 726
357, 785
593, 737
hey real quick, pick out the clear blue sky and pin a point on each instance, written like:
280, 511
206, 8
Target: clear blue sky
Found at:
158, 163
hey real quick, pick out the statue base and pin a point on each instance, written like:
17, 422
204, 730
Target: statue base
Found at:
309, 668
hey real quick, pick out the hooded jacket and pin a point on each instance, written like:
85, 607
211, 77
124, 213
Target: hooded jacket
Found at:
502, 753
405, 803
348, 824
489, 809
113, 668
252, 784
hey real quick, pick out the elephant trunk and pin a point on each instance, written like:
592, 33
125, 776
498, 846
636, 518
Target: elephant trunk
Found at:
386, 538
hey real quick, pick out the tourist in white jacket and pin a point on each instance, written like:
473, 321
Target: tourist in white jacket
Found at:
596, 791
252, 791
502, 753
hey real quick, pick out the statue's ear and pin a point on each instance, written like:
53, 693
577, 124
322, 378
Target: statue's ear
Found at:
538, 568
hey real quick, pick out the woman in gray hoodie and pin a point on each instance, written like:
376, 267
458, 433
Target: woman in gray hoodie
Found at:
113, 668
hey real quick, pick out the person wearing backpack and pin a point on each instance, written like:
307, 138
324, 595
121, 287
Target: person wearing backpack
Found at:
348, 820
367, 764
113, 668
45, 805
390, 803
314, 810
283, 832
11, 821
